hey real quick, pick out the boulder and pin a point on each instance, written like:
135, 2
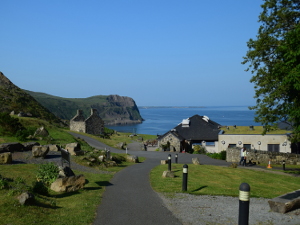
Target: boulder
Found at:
111, 164
11, 147
28, 145
6, 158
285, 203
133, 158
26, 198
40, 151
68, 184
65, 172
54, 148
121, 145
168, 174
41, 132
101, 158
195, 161
163, 162
74, 149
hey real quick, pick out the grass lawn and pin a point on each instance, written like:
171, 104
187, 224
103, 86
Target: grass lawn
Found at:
214, 180
76, 208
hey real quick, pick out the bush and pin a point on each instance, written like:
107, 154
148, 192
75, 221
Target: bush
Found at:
199, 149
9, 125
221, 155
3, 183
47, 173
40, 188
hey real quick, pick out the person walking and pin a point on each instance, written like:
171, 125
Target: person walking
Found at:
242, 155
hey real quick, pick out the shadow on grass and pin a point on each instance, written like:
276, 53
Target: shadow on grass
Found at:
200, 188
67, 194
104, 183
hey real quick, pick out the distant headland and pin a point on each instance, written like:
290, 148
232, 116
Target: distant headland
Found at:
180, 107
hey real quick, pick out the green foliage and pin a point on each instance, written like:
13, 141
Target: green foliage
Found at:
221, 155
274, 61
198, 149
17, 186
3, 183
47, 173
9, 125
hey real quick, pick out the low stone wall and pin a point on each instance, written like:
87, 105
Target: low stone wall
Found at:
233, 155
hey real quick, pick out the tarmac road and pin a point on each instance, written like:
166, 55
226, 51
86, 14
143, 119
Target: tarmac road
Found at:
130, 200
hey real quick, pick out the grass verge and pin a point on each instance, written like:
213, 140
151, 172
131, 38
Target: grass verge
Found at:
215, 180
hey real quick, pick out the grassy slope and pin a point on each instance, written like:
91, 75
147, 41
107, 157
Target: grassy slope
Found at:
247, 130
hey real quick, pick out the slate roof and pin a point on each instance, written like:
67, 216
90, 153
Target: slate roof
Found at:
199, 129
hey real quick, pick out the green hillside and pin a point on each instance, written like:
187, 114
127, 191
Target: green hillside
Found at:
12, 98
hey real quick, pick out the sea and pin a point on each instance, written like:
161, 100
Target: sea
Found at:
159, 120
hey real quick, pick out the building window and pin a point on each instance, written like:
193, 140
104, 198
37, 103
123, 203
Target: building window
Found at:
231, 145
273, 147
247, 146
210, 143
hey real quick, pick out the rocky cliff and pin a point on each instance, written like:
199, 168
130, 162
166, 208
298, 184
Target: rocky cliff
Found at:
113, 109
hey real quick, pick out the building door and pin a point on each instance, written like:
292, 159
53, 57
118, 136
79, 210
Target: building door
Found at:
273, 147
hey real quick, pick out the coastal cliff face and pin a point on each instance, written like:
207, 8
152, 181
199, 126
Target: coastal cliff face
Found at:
119, 110
113, 109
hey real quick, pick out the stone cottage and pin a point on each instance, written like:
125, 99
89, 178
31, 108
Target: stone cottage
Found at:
92, 125
194, 130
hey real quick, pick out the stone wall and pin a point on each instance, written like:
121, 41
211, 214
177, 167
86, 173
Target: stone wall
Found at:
174, 142
233, 155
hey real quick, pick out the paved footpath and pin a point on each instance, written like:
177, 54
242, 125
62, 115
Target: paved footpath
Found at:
130, 200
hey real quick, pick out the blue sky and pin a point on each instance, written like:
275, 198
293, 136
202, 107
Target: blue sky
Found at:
158, 52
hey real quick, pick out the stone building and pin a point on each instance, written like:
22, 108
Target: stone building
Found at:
92, 125
192, 131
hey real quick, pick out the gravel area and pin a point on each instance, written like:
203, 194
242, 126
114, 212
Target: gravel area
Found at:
221, 210
52, 156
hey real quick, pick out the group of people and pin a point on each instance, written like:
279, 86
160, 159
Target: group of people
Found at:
243, 156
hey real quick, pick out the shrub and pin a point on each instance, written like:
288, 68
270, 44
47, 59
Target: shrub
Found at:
40, 188
199, 149
47, 173
3, 183
9, 125
221, 155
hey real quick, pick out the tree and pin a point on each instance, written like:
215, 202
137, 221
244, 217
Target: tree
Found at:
274, 60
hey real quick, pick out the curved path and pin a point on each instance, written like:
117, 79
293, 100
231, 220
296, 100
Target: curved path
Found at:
130, 199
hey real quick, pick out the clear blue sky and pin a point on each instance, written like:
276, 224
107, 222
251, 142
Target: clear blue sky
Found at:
158, 52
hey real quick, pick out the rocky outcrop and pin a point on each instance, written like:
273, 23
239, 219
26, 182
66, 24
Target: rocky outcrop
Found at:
68, 184
6, 158
11, 147
74, 149
40, 151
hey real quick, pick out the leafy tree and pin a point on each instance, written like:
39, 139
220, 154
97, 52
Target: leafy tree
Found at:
274, 61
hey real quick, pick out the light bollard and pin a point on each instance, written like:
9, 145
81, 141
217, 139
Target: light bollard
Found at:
184, 177
176, 158
244, 200
169, 162
283, 164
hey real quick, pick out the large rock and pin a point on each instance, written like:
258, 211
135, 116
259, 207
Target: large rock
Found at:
65, 172
68, 184
133, 158
26, 198
54, 148
40, 151
41, 132
195, 161
74, 149
168, 174
285, 203
28, 145
6, 158
11, 147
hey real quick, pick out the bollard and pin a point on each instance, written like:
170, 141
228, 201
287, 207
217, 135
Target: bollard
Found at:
244, 200
126, 151
108, 155
283, 164
176, 158
184, 177
169, 162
